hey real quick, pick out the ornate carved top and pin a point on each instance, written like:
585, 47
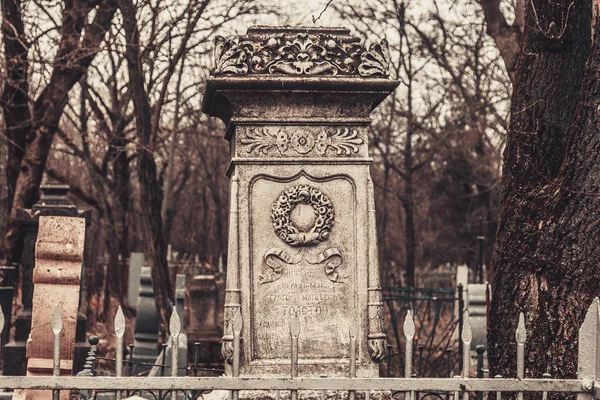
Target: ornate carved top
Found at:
301, 52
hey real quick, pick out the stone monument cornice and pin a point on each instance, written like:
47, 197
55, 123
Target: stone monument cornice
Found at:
222, 95
300, 51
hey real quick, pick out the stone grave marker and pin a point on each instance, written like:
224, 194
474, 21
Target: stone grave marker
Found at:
147, 324
302, 238
56, 279
136, 262
53, 202
204, 325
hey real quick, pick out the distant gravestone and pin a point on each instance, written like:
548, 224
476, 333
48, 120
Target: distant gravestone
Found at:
183, 345
53, 202
147, 324
204, 325
302, 235
56, 278
136, 262
477, 307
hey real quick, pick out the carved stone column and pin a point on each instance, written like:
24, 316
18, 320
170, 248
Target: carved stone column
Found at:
302, 240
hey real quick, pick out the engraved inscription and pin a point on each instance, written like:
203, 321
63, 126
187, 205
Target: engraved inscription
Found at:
322, 307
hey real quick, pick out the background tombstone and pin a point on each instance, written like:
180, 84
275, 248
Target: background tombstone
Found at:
53, 202
183, 341
147, 324
477, 307
302, 237
136, 262
204, 325
57, 280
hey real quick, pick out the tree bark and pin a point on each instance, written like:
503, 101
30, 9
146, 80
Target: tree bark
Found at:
15, 94
507, 37
547, 249
150, 197
73, 57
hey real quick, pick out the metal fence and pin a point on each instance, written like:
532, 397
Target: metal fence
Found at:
464, 386
438, 323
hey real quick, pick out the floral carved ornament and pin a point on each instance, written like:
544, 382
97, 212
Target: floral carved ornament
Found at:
303, 55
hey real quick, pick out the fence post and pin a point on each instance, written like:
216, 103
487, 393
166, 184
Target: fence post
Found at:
461, 321
521, 337
57, 327
467, 337
409, 334
175, 330
294, 333
237, 324
587, 359
119, 332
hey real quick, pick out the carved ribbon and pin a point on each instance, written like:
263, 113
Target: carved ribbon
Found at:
274, 258
333, 256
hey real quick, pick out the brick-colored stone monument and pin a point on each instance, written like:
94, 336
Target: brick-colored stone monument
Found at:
56, 279
302, 237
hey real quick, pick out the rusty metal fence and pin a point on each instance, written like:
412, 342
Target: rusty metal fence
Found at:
465, 386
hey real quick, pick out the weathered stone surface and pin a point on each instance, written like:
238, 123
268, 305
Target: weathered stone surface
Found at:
302, 234
147, 324
56, 278
136, 262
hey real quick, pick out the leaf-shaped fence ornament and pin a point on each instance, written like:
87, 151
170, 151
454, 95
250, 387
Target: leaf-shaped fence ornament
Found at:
175, 324
353, 329
521, 332
56, 321
1, 320
409, 326
237, 323
295, 326
119, 323
467, 333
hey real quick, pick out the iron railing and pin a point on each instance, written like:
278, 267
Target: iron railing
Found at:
586, 385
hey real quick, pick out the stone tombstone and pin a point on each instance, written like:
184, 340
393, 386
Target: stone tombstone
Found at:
57, 279
53, 202
147, 324
477, 307
136, 262
302, 238
204, 325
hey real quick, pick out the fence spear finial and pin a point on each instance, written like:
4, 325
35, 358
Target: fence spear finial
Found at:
295, 325
467, 333
56, 322
237, 323
409, 326
521, 332
175, 324
119, 323
1, 320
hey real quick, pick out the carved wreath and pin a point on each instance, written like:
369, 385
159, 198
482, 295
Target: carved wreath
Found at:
290, 198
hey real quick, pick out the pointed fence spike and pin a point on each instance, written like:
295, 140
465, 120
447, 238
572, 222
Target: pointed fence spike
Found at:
237, 323
295, 325
56, 322
521, 333
119, 323
467, 333
353, 329
409, 326
175, 323
1, 320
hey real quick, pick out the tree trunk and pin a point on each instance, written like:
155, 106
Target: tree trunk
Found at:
15, 94
73, 57
150, 198
547, 246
